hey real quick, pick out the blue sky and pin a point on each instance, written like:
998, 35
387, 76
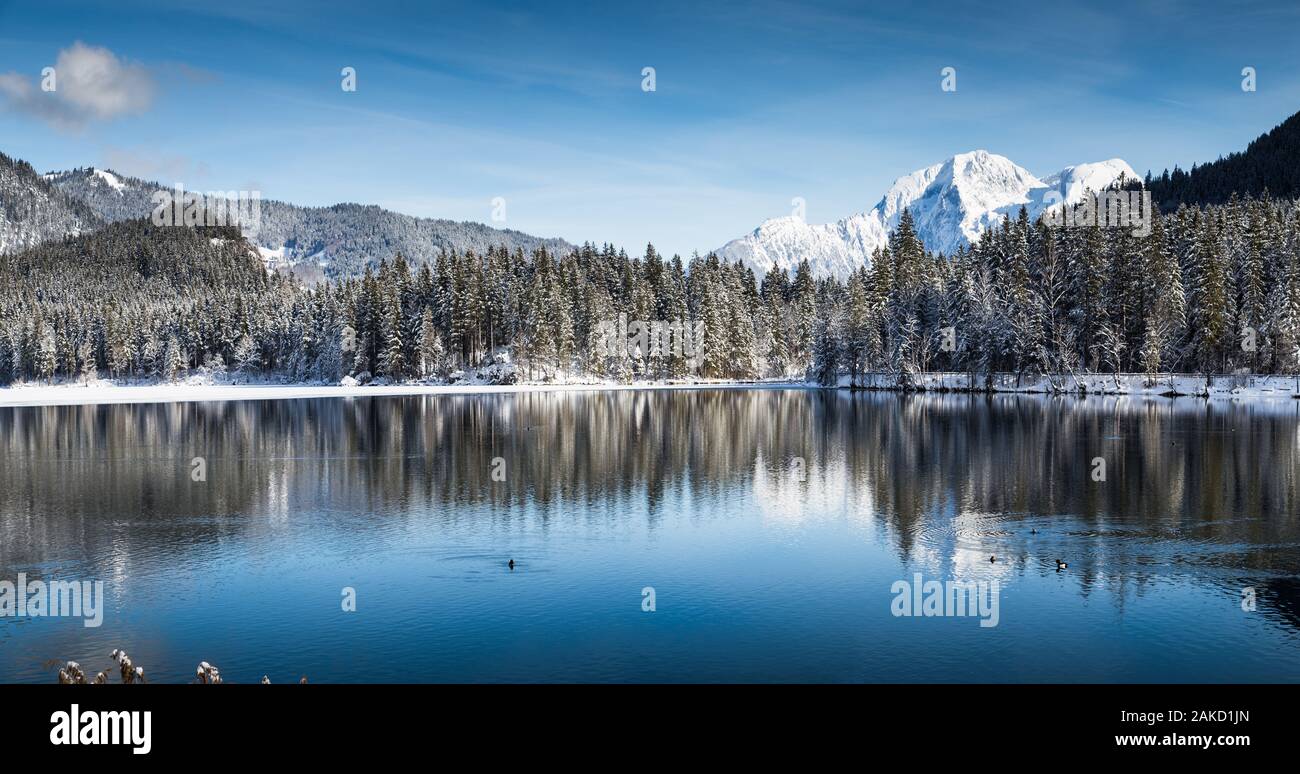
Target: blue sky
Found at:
541, 103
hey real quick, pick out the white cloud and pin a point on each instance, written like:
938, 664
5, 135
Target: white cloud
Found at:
94, 80
91, 84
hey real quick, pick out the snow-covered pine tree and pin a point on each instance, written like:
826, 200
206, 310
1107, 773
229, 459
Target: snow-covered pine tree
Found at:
803, 316
174, 360
430, 346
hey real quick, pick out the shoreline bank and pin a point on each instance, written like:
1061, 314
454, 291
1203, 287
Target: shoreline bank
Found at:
1231, 386
1242, 386
73, 394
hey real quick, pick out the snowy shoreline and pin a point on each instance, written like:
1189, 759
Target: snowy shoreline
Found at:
1247, 386
1232, 386
77, 394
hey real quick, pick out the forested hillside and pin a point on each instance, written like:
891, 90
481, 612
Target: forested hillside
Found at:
1269, 165
135, 299
337, 241
33, 211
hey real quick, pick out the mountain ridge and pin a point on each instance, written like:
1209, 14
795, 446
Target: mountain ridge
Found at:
336, 241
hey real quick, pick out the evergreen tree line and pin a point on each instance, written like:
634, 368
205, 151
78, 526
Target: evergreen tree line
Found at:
1210, 289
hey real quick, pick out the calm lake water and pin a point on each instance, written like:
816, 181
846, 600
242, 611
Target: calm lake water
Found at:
772, 526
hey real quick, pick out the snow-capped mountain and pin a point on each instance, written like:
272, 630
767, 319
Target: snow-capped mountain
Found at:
951, 203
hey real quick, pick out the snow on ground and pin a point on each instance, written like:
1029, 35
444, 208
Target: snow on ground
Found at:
108, 392
111, 179
1173, 385
1240, 387
273, 258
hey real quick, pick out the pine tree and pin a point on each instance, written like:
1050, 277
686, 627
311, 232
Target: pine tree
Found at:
803, 316
777, 355
1286, 305
8, 364
46, 356
392, 358
1212, 336
826, 353
1250, 276
857, 324
1166, 315
247, 358
430, 346
173, 360
86, 356
1087, 268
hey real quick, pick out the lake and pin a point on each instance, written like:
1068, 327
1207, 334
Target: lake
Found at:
661, 535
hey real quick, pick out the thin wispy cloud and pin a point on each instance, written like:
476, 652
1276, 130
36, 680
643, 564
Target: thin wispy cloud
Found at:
147, 164
87, 84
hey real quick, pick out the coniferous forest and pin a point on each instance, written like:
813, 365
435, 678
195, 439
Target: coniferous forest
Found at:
1211, 289
1266, 167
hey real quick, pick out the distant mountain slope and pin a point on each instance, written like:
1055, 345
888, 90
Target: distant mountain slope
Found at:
1270, 163
32, 211
112, 197
951, 202
340, 241
345, 238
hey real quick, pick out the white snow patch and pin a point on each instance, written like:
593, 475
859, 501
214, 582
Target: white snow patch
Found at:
273, 259
112, 180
